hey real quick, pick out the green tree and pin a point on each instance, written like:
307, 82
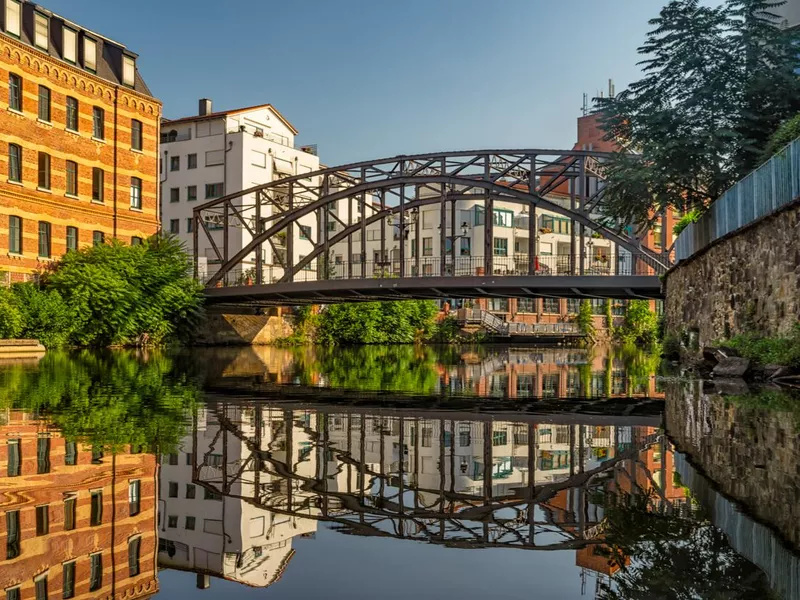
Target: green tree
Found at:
585, 319
717, 82
45, 315
397, 322
11, 320
128, 294
640, 324
787, 132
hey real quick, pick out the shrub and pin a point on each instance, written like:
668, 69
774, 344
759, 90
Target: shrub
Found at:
585, 319
45, 315
640, 325
786, 133
691, 217
767, 350
11, 321
396, 322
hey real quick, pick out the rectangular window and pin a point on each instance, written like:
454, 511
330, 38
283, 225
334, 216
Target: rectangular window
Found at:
427, 246
551, 306
72, 178
137, 136
215, 157
305, 232
526, 305
70, 505
190, 523
89, 54
573, 306
72, 114
598, 306
191, 193
98, 238
71, 448
44, 246
174, 226
42, 520
213, 190
466, 246
98, 183
175, 163
14, 92
15, 163
96, 575
498, 305
136, 193
98, 123
556, 224
189, 224
44, 103
136, 241
14, 458
97, 452
41, 588
97, 509
128, 71
191, 490
133, 556
13, 594
43, 447
12, 534
70, 51
191, 161
618, 308
209, 495
68, 589
173, 489
500, 247
174, 194
44, 171
13, 17
172, 521
41, 31
133, 497
503, 218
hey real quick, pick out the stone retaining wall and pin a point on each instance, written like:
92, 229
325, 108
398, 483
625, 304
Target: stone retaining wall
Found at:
748, 281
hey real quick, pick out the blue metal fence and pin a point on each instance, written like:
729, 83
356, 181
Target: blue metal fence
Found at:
771, 186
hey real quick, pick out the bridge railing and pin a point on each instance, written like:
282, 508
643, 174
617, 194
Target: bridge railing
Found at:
764, 191
463, 266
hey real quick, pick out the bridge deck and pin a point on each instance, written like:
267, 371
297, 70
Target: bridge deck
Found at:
359, 290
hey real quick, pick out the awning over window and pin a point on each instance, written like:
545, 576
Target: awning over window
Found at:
282, 168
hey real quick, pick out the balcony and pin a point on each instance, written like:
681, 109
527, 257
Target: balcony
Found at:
173, 136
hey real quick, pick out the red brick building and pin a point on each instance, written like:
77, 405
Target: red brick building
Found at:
79, 133
74, 523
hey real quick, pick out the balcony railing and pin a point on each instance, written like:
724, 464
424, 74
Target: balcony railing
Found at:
170, 136
464, 266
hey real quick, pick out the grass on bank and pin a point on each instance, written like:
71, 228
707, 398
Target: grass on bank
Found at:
769, 350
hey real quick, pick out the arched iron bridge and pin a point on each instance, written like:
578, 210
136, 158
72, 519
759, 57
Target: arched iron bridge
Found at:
344, 203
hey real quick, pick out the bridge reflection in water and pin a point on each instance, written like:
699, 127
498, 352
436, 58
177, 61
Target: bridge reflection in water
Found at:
463, 483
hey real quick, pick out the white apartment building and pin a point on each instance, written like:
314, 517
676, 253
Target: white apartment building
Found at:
421, 234
213, 154
203, 531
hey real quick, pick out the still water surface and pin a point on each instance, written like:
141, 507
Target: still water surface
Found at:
397, 472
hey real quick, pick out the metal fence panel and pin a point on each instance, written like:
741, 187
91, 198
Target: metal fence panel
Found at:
773, 185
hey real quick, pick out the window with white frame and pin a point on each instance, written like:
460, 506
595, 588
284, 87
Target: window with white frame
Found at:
428, 218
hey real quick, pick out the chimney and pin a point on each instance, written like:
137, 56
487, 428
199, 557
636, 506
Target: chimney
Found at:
205, 107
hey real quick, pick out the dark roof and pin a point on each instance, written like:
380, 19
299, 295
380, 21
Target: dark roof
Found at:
109, 52
224, 113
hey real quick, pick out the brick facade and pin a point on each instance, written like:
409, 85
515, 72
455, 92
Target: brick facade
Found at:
46, 554
114, 216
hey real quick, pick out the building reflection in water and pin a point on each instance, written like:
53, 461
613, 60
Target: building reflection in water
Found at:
77, 522
250, 478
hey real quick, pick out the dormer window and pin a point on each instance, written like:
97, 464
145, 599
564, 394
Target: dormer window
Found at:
70, 45
13, 17
128, 71
41, 32
89, 54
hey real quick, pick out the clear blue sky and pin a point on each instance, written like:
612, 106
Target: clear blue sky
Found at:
373, 78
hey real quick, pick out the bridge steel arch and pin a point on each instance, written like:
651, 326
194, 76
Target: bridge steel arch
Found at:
527, 177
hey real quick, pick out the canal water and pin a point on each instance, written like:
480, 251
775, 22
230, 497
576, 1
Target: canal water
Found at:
392, 472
